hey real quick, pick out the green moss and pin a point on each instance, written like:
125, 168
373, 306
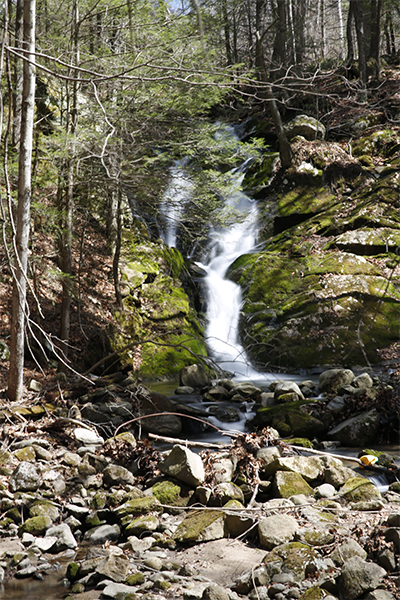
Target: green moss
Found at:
135, 579
138, 506
304, 200
72, 571
299, 441
167, 492
36, 525
289, 484
357, 489
313, 593
258, 175
289, 419
192, 527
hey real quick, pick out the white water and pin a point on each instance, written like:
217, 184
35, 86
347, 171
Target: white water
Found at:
173, 203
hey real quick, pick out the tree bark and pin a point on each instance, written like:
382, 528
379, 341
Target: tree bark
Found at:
375, 23
228, 48
362, 62
18, 74
349, 36
15, 377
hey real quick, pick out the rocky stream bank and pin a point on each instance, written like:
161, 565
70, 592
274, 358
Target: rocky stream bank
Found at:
260, 517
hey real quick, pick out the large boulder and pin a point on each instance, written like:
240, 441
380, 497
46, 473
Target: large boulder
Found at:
184, 465
25, 478
359, 577
200, 526
276, 530
358, 431
308, 127
194, 376
333, 379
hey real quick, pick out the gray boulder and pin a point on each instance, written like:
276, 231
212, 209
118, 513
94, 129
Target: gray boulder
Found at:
363, 381
308, 127
25, 478
285, 387
194, 376
65, 538
276, 530
333, 379
115, 474
184, 465
359, 577
102, 533
357, 431
115, 566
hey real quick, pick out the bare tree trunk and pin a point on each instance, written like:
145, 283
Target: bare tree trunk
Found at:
374, 48
362, 63
66, 236
340, 24
15, 377
292, 33
349, 36
18, 75
228, 48
117, 252
299, 30
322, 27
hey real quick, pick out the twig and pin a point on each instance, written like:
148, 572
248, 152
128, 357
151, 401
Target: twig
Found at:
188, 443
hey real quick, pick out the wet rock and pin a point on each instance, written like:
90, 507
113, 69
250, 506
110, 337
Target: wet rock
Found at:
184, 465
330, 381
103, 533
358, 431
359, 577
194, 376
276, 530
25, 478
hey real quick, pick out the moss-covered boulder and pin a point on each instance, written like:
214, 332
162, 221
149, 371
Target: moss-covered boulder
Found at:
36, 525
358, 489
287, 484
201, 526
294, 556
359, 430
141, 525
138, 506
157, 306
44, 508
290, 419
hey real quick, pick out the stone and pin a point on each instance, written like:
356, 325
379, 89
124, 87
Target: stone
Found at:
276, 530
64, 535
115, 566
359, 489
102, 533
310, 468
224, 492
215, 592
116, 475
36, 525
142, 525
44, 508
287, 484
268, 455
315, 537
284, 387
338, 475
305, 126
336, 405
224, 470
25, 478
139, 545
332, 379
348, 549
326, 490
379, 595
358, 431
359, 577
363, 381
118, 591
194, 376
201, 526
236, 523
45, 544
87, 437
184, 465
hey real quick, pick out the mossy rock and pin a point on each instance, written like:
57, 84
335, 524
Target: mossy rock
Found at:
289, 419
299, 441
294, 556
168, 492
359, 489
72, 571
15, 515
201, 526
313, 593
258, 175
36, 525
27, 454
135, 578
138, 506
287, 484
44, 508
141, 525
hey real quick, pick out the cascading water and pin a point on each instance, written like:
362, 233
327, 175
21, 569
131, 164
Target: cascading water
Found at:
174, 200
227, 244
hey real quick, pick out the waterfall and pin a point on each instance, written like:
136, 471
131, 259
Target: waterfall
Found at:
226, 245
173, 202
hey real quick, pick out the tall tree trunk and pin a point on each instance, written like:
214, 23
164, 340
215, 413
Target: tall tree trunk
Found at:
292, 38
322, 27
362, 62
18, 74
299, 29
349, 35
374, 48
340, 25
227, 33
15, 377
66, 235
